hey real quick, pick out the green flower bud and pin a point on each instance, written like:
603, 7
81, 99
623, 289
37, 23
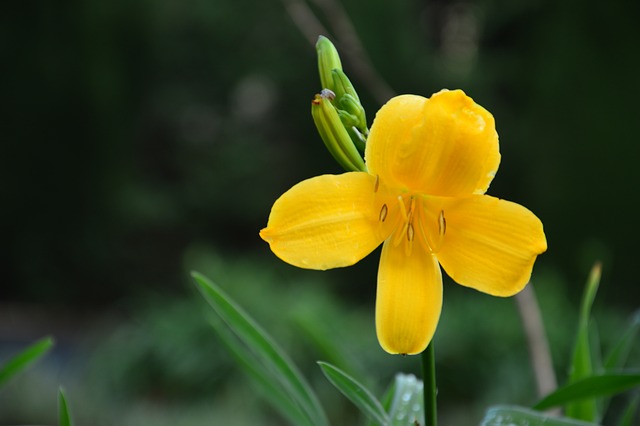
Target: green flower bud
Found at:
350, 109
342, 85
339, 94
328, 60
333, 132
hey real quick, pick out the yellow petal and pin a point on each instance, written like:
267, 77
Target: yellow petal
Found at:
409, 298
446, 145
490, 244
326, 222
391, 136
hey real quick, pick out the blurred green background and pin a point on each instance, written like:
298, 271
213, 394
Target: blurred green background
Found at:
143, 139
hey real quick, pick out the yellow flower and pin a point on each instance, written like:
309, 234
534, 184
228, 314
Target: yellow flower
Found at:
429, 163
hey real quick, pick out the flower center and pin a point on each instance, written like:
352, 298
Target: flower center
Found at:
416, 222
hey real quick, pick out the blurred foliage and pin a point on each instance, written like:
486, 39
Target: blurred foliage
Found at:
133, 128
141, 133
163, 363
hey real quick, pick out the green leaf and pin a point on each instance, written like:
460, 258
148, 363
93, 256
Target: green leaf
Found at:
63, 410
262, 379
618, 356
23, 359
582, 363
407, 406
386, 401
590, 387
259, 344
357, 393
505, 415
387, 398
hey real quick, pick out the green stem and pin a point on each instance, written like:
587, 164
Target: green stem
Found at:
430, 391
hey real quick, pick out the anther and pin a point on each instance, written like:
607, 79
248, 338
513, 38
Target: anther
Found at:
377, 184
442, 224
383, 213
410, 232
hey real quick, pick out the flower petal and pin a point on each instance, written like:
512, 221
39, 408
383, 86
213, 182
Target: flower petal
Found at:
409, 298
391, 136
490, 244
326, 222
446, 145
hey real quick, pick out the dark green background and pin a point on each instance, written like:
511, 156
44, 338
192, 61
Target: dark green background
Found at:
132, 129
142, 138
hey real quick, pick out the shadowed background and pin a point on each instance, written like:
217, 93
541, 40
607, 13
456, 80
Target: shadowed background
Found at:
145, 138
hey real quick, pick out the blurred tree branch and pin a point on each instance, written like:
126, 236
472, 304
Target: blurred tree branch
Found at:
355, 54
537, 341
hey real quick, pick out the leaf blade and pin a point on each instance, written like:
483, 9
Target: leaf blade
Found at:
509, 415
263, 347
64, 416
25, 358
262, 378
356, 393
590, 387
582, 362
617, 357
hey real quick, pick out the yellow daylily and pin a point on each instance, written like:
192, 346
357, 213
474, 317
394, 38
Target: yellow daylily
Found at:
429, 163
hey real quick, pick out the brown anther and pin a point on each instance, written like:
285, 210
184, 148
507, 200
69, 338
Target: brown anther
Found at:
442, 224
377, 184
410, 232
383, 213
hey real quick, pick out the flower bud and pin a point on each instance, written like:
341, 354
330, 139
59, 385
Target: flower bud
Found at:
333, 132
328, 60
342, 85
343, 98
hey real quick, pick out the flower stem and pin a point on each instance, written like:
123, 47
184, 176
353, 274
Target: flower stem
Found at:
430, 391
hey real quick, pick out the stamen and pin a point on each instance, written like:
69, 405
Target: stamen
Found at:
442, 229
423, 233
428, 236
383, 213
442, 224
399, 235
403, 209
408, 246
405, 217
377, 184
411, 210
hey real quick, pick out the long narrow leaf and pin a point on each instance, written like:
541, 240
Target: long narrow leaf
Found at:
26, 357
386, 401
264, 348
582, 362
357, 393
617, 357
262, 378
591, 387
387, 398
63, 410
519, 416
620, 352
